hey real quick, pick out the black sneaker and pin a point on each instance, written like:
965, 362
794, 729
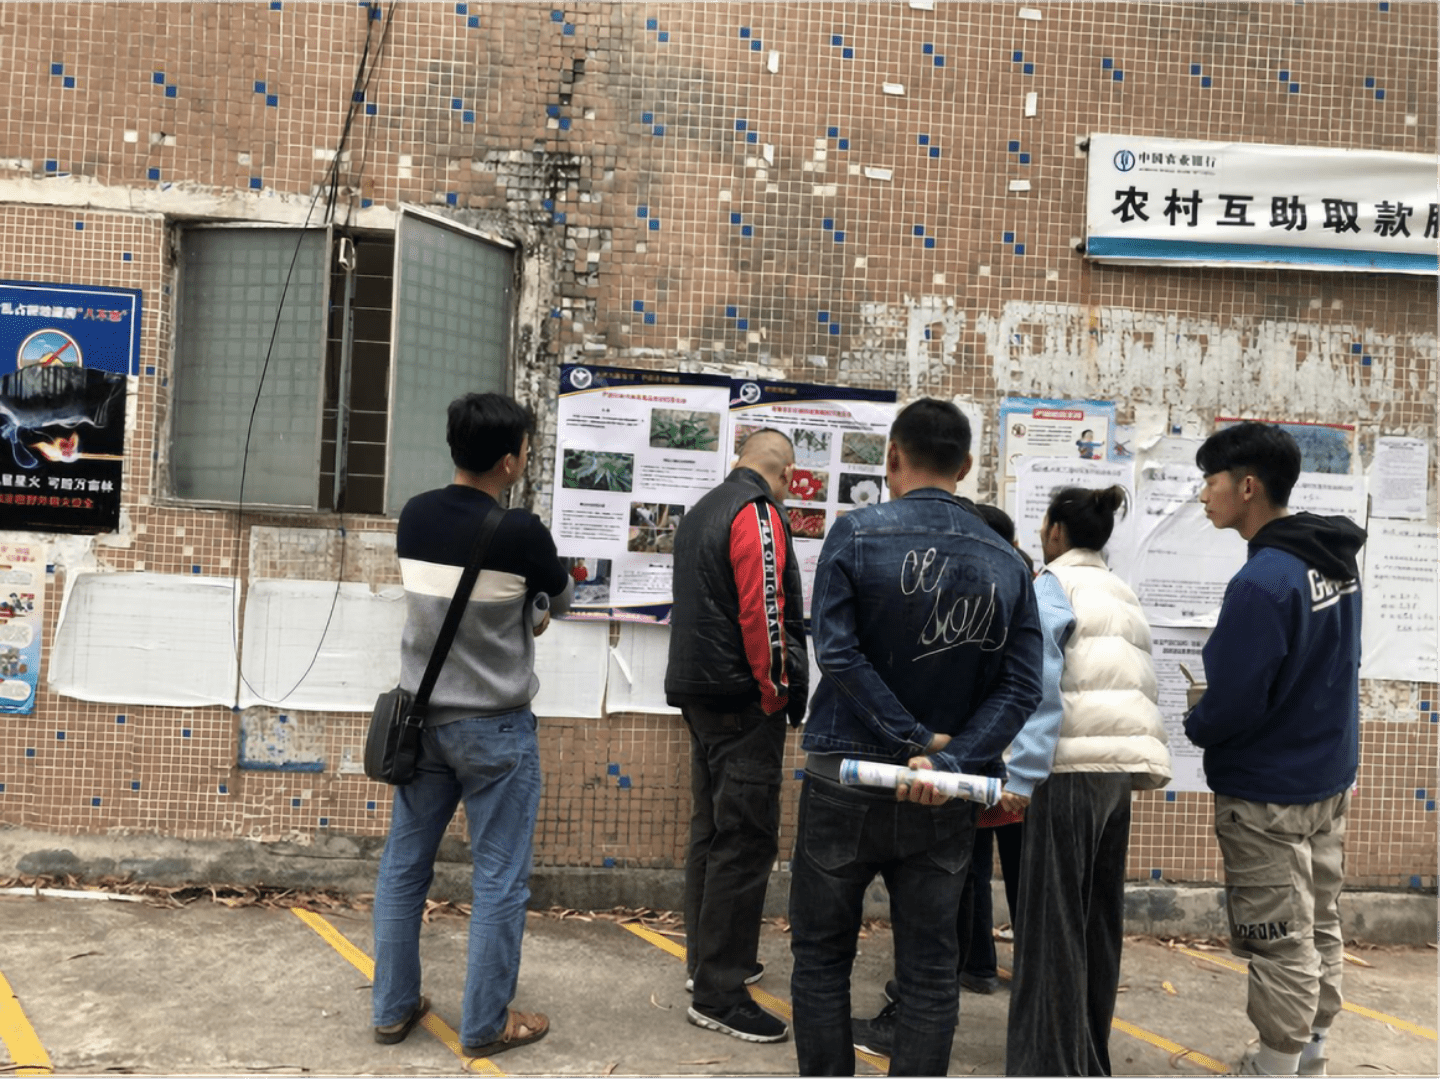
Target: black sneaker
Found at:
746, 1021
875, 1036
750, 980
979, 984
892, 990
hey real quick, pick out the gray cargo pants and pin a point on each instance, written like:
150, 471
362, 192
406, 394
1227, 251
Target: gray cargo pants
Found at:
1284, 868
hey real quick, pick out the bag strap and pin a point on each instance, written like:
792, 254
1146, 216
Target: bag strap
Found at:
457, 607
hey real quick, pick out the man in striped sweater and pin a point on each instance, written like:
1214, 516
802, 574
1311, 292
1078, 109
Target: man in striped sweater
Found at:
737, 669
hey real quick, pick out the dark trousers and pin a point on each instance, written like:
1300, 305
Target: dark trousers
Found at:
1068, 931
735, 768
977, 915
846, 837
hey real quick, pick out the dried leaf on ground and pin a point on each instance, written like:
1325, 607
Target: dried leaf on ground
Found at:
1178, 1056
707, 1061
1122, 988
1169, 987
80, 955
658, 1005
1352, 958
610, 1068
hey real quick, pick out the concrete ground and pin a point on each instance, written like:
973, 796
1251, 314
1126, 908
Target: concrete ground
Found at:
121, 987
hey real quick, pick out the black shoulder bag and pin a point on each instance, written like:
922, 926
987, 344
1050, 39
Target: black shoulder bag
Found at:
392, 745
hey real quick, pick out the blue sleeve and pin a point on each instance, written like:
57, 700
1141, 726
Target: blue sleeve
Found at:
1016, 693
837, 647
1242, 659
1033, 751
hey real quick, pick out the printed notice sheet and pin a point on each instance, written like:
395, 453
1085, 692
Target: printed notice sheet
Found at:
1038, 478
1050, 427
1398, 602
1169, 648
1398, 477
839, 435
635, 450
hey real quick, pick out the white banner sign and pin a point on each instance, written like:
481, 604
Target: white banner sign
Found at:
1152, 201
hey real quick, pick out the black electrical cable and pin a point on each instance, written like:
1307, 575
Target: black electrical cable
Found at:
330, 185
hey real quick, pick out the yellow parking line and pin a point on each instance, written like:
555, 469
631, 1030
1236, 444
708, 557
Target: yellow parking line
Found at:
1172, 1048
366, 966
1359, 1010
19, 1037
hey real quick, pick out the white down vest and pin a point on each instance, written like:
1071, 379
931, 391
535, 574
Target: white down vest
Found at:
1111, 722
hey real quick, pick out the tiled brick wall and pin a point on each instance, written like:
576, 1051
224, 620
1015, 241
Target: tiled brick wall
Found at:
688, 184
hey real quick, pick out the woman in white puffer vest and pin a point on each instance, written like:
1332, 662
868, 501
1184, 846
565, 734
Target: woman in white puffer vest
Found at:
1099, 677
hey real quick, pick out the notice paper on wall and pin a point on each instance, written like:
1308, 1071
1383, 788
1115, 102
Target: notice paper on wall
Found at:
1038, 478
839, 436
22, 605
1399, 601
635, 450
570, 660
636, 680
309, 645
147, 639
1398, 477
1169, 648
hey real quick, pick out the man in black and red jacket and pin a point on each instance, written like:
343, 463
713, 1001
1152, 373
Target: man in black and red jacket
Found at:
737, 669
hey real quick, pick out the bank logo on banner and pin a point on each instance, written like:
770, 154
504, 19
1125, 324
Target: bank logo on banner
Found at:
750, 393
580, 378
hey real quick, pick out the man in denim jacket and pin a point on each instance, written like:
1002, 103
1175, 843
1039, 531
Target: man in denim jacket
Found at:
928, 640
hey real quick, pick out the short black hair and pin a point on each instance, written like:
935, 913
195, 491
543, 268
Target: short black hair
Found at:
934, 435
998, 520
1267, 451
1087, 514
740, 450
482, 428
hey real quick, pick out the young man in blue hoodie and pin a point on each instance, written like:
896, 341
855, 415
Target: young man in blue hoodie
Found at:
1279, 724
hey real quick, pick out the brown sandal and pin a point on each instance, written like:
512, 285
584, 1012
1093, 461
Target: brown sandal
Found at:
394, 1033
520, 1029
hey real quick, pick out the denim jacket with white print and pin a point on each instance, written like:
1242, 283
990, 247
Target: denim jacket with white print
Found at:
923, 620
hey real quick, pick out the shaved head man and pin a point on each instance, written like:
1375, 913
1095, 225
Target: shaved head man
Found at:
737, 669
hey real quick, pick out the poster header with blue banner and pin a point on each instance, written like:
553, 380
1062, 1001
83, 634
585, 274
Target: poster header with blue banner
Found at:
1157, 202
85, 326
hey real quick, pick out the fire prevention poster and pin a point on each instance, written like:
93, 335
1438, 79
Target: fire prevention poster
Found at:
65, 353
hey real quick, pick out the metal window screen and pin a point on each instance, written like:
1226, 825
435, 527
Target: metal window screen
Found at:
230, 287
452, 336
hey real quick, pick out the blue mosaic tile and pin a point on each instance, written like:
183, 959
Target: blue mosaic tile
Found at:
923, 140
799, 774
185, 733
1355, 347
652, 24
223, 789
1419, 793
919, 230
79, 226
456, 103
649, 321
357, 96
1169, 796
929, 241
1295, 89
568, 30
654, 224
744, 31
59, 736
1008, 237
735, 218
57, 69
1379, 94
150, 369
624, 783
158, 78
1424, 706
557, 16
68, 82
658, 130
647, 118
1106, 64
939, 61
834, 329
272, 100
839, 237
664, 36
730, 311
1017, 56
51, 165
370, 804
1415, 881
752, 136
832, 133
259, 86
822, 316
370, 109
1117, 75
1284, 76
2, 789
613, 769
934, 151
276, 5
1028, 69
643, 211
294, 802
635, 305
557, 218
756, 45
1024, 159
29, 751
742, 324
844, 144
836, 40
1154, 875
1194, 69
134, 785
152, 174
120, 718
1205, 82
461, 9
740, 125
747, 230
827, 223
1019, 249
1429, 805
1365, 361
928, 48
846, 53
171, 91
95, 801
452, 198
256, 183
564, 121
324, 822
607, 862
473, 22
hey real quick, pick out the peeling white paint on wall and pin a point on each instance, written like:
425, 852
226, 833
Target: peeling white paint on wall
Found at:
895, 352
1269, 367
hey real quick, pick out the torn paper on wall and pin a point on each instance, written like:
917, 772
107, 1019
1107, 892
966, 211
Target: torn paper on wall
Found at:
570, 660
309, 645
147, 639
636, 682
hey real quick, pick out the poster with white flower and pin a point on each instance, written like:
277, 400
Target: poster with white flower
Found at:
839, 435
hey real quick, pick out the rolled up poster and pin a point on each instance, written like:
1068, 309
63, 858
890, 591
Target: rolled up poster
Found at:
981, 789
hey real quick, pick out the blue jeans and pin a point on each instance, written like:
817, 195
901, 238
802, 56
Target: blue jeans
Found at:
493, 764
846, 837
